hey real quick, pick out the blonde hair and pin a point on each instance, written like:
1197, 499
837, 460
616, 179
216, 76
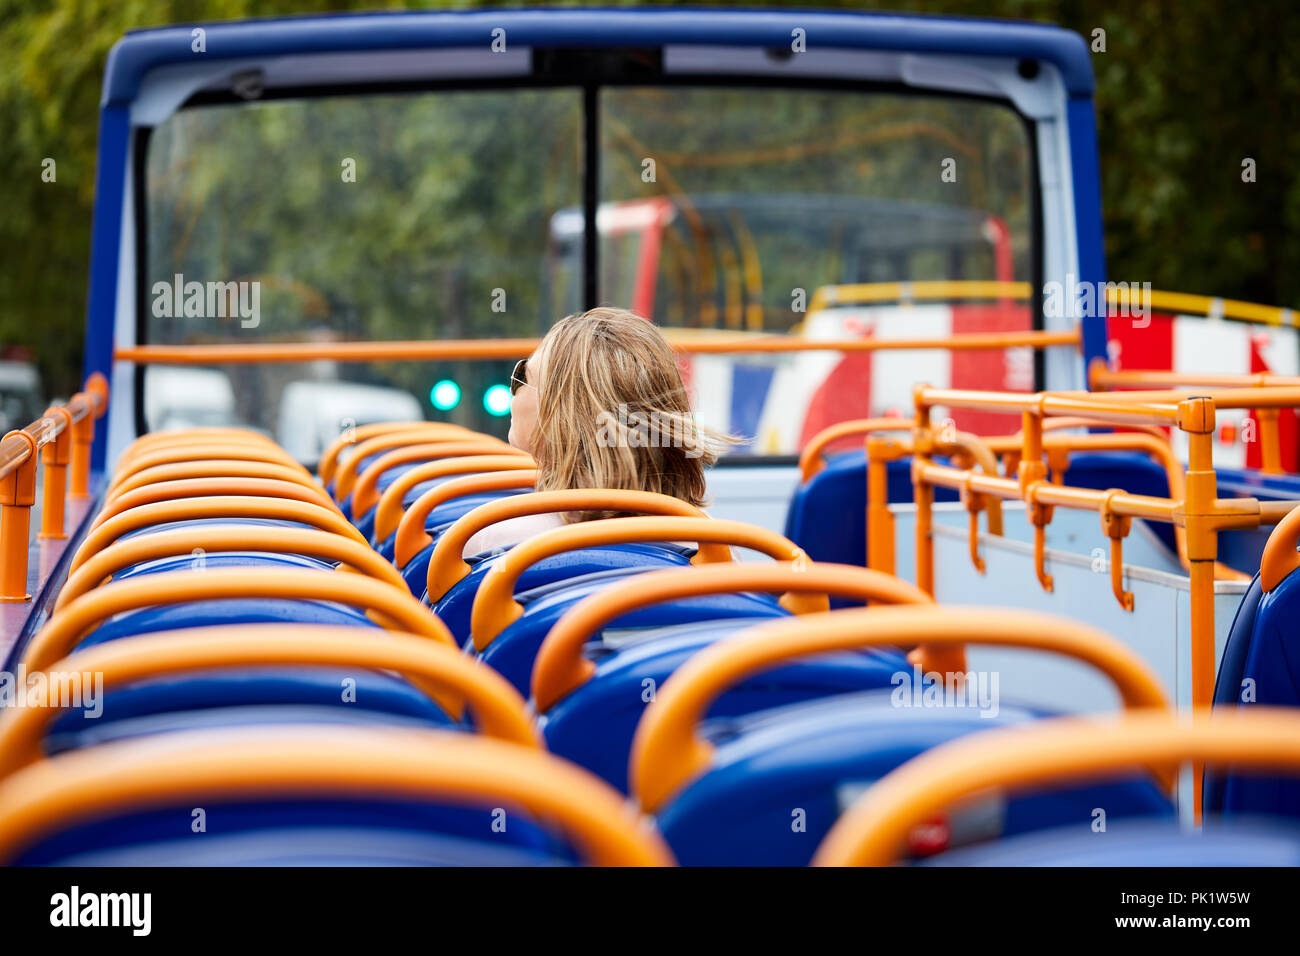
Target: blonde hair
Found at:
612, 411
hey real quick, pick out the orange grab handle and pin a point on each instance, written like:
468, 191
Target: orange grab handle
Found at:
446, 565
667, 752
810, 459
443, 673
213, 468
388, 512
346, 475
217, 538
221, 506
330, 459
561, 668
495, 606
209, 487
411, 536
365, 493
1280, 557
323, 762
163, 456
873, 830
162, 441
395, 608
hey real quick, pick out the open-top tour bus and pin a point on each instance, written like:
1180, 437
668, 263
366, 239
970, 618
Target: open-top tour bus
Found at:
319, 246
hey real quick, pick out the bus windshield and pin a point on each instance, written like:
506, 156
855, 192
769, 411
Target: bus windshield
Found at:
719, 210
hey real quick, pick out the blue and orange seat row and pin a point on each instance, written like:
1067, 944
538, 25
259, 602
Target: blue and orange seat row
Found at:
294, 668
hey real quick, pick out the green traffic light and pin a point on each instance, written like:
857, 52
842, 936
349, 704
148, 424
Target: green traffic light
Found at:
497, 400
445, 395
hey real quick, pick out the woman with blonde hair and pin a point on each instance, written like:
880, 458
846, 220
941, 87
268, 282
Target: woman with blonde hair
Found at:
601, 404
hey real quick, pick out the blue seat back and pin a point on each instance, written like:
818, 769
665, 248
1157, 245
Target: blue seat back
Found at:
779, 779
593, 726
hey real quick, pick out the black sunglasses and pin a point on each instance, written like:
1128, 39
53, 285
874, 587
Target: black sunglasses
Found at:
519, 377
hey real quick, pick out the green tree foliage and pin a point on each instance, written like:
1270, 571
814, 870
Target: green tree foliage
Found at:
1186, 92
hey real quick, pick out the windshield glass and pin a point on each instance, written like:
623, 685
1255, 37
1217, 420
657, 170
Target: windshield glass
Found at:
460, 215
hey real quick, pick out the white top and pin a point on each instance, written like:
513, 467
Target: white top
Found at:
510, 532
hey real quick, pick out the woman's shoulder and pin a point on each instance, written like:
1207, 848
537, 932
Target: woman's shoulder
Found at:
505, 534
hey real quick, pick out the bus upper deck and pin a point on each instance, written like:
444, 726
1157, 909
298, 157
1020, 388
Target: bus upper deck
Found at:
321, 244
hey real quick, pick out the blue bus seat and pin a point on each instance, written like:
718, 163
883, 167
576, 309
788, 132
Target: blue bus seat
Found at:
593, 725
1263, 647
304, 832
455, 606
805, 763
1139, 843
514, 650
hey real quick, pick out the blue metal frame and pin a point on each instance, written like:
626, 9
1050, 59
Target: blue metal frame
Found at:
141, 51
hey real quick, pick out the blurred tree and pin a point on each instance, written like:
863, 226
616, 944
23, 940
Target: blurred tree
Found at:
1185, 93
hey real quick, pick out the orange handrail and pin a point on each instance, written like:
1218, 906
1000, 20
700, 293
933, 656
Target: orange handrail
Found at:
667, 751
488, 349
1280, 556
61, 439
389, 513
495, 607
217, 538
1066, 751
330, 458
348, 472
442, 673
561, 667
395, 607
212, 468
161, 441
447, 565
810, 459
228, 452
220, 506
365, 492
335, 762
412, 538
182, 488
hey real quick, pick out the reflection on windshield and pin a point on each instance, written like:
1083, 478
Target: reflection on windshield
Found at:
459, 215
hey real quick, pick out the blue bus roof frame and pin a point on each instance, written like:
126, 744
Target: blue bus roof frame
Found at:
139, 52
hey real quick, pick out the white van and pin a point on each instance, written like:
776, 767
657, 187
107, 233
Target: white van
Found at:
313, 414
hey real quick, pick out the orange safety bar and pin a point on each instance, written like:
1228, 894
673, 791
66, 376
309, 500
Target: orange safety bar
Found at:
214, 468
561, 667
495, 607
228, 452
217, 538
445, 675
810, 459
394, 607
667, 752
182, 488
1100, 377
159, 441
389, 513
412, 538
447, 566
346, 475
220, 506
1280, 556
1067, 751
196, 767
365, 493
330, 458
489, 349
61, 440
